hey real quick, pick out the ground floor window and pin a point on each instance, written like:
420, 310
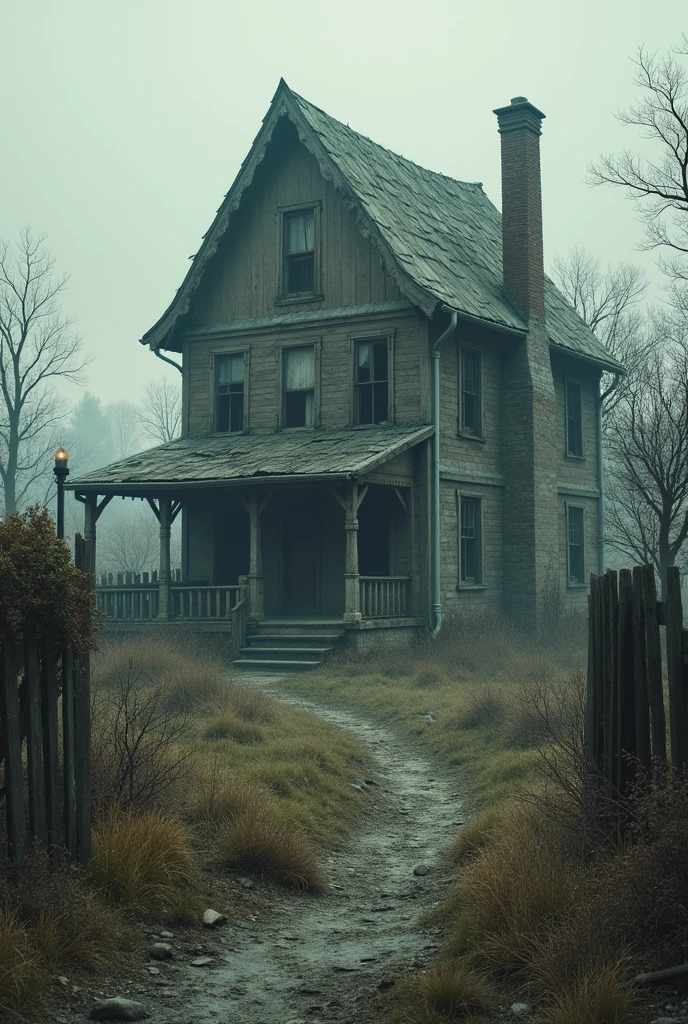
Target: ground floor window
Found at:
470, 541
575, 528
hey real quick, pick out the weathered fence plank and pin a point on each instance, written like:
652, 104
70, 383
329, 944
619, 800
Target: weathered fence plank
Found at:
69, 783
676, 671
625, 691
654, 663
38, 827
643, 748
50, 755
14, 789
82, 756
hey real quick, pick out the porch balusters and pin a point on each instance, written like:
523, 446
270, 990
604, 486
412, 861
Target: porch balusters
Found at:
165, 515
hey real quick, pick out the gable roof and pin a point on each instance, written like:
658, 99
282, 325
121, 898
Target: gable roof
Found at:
439, 239
241, 458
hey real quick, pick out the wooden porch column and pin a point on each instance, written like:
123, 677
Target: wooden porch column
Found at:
256, 608
165, 510
91, 513
352, 607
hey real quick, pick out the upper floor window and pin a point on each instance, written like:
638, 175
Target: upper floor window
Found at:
470, 541
574, 419
471, 392
372, 381
298, 386
575, 529
299, 252
231, 374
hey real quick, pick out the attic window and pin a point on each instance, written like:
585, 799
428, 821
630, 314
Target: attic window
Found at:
299, 253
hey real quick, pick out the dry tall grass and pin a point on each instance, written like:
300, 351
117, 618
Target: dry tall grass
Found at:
540, 898
146, 863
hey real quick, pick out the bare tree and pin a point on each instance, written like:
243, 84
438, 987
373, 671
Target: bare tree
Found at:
37, 348
608, 300
658, 186
129, 542
124, 425
647, 446
161, 416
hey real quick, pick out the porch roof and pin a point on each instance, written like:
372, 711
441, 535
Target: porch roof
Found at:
250, 458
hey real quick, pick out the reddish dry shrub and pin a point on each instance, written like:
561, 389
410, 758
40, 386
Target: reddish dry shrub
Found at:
42, 590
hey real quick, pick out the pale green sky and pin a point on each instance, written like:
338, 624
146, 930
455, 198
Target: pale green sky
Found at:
124, 124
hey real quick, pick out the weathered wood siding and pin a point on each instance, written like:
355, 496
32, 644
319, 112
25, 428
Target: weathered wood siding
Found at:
336, 384
243, 281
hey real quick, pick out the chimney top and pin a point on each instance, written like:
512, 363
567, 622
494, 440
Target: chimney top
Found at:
519, 114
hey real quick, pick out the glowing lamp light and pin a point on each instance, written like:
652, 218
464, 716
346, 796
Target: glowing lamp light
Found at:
61, 456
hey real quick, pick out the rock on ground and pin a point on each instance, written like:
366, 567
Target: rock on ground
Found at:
118, 1008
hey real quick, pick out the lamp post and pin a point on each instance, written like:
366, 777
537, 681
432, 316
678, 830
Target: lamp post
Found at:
61, 472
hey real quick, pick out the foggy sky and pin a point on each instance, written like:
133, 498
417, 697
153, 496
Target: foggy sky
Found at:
124, 123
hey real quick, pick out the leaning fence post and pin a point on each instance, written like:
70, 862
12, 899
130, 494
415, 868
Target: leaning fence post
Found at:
676, 671
14, 790
82, 731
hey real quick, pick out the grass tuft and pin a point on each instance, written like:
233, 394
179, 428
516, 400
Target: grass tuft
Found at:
264, 843
228, 727
598, 998
145, 862
19, 977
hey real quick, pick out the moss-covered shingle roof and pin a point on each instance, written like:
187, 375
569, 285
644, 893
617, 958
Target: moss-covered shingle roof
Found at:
438, 238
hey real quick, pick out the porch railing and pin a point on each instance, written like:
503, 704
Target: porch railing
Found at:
128, 603
384, 597
141, 602
189, 602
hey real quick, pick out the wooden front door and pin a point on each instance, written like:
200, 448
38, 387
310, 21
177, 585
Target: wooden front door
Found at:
301, 591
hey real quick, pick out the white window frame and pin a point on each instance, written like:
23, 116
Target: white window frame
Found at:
569, 505
480, 498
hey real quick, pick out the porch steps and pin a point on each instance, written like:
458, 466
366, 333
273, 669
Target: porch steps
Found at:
289, 646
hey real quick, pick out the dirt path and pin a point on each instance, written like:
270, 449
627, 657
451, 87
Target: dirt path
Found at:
325, 958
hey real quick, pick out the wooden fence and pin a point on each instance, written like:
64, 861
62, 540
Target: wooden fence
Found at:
626, 721
53, 779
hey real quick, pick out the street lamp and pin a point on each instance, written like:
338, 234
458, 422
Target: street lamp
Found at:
61, 472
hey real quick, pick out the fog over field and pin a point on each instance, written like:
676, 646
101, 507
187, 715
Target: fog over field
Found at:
125, 124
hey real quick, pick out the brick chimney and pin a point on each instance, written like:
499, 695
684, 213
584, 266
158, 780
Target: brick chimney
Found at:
524, 280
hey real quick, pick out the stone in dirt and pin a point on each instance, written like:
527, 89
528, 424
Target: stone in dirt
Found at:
118, 1008
211, 918
166, 935
202, 961
422, 869
519, 1008
160, 951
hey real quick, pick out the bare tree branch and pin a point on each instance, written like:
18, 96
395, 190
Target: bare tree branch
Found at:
161, 417
37, 347
657, 186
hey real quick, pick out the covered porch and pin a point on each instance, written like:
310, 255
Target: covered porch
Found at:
340, 546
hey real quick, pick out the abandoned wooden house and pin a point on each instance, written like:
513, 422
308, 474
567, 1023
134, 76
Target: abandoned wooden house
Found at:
390, 413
